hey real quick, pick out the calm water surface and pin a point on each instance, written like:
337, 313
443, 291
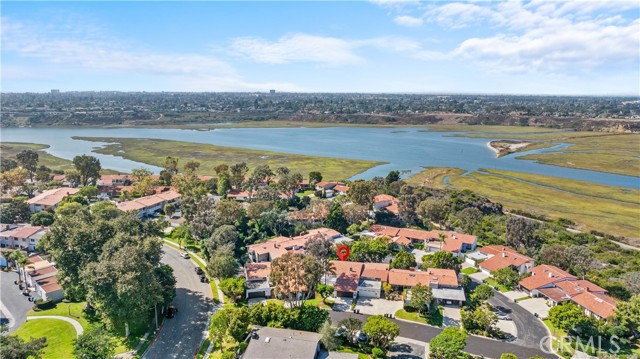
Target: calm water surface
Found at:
403, 149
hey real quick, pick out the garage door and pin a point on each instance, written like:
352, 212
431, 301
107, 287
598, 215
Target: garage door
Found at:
257, 294
368, 293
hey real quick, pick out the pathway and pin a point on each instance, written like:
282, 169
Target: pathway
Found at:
76, 325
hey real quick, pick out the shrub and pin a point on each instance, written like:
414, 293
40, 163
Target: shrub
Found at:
43, 305
243, 346
377, 353
229, 355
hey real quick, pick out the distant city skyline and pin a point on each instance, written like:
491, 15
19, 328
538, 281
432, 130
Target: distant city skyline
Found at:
381, 46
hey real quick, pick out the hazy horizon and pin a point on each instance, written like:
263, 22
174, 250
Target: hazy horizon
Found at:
537, 48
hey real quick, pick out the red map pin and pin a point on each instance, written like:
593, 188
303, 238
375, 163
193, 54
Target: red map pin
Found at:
343, 252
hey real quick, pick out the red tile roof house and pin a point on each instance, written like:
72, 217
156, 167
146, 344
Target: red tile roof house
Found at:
385, 202
558, 286
41, 277
50, 199
443, 282
114, 180
276, 247
149, 204
352, 279
23, 237
456, 243
332, 188
500, 257
257, 275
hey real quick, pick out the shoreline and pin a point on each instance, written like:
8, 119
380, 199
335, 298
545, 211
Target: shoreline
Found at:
506, 147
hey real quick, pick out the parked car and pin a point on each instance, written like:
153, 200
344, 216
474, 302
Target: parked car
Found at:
204, 279
198, 270
171, 311
184, 255
503, 316
361, 336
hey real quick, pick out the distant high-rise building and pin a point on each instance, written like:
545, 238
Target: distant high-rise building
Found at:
54, 91
272, 91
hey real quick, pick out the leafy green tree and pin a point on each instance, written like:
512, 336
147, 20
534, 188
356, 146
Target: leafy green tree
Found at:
632, 281
566, 316
314, 177
506, 276
370, 250
7, 164
449, 344
88, 168
95, 343
421, 297
238, 172
482, 293
239, 324
582, 260
381, 331
441, 259
42, 218
468, 219
292, 273
523, 234
233, 288
169, 209
218, 326
480, 321
627, 315
555, 255
352, 326
14, 347
222, 263
89, 192
76, 198
325, 291
336, 218
433, 210
17, 211
223, 236
393, 176
28, 159
508, 356
137, 174
403, 260
105, 210
307, 317
362, 192
70, 209
329, 339
171, 165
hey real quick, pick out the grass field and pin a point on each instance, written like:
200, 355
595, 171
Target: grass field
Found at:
153, 152
608, 209
59, 334
434, 176
597, 151
11, 149
470, 270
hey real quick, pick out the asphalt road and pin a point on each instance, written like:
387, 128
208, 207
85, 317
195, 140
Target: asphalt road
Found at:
475, 345
531, 331
181, 335
13, 305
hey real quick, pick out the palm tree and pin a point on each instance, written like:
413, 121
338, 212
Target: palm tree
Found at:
19, 259
442, 237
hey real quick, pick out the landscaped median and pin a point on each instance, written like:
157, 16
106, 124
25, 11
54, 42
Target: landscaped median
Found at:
59, 334
435, 317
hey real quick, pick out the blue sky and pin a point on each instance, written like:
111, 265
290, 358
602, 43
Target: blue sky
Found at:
532, 47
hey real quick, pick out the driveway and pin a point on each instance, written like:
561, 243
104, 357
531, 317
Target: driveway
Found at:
180, 336
475, 345
378, 306
451, 317
405, 348
13, 305
535, 306
479, 276
342, 304
531, 331
418, 254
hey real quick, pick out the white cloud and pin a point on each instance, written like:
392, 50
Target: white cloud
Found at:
458, 15
297, 48
67, 46
408, 21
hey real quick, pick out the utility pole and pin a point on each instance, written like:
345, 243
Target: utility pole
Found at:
156, 310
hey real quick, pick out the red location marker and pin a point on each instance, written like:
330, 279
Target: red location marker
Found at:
343, 252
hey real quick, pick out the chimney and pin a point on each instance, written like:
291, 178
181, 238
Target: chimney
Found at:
550, 275
504, 252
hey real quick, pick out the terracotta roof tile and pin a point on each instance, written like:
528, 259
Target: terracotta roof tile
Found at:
544, 275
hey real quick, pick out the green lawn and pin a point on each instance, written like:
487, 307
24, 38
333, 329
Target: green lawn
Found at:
470, 270
434, 319
67, 309
216, 354
59, 334
305, 193
154, 151
350, 350
492, 282
203, 349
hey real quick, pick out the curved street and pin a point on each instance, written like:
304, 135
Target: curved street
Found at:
180, 336
531, 331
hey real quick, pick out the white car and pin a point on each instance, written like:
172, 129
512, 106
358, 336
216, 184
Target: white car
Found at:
184, 255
